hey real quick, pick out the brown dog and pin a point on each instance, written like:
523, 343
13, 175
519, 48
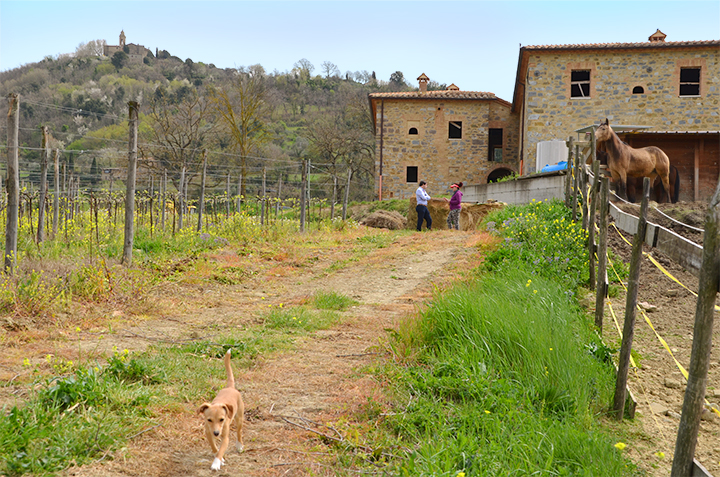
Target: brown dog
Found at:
220, 413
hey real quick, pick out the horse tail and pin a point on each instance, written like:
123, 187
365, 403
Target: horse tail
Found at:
676, 184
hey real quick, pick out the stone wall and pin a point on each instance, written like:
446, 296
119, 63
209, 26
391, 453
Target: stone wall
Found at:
551, 114
440, 160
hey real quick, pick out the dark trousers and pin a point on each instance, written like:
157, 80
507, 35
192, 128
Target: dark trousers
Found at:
423, 214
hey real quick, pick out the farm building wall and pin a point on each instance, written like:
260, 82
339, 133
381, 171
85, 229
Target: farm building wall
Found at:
689, 153
416, 143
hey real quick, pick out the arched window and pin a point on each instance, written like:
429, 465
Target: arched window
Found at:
638, 90
413, 131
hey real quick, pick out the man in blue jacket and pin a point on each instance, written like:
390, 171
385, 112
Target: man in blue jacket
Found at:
421, 208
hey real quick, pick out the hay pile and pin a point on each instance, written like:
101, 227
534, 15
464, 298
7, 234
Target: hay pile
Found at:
470, 214
385, 219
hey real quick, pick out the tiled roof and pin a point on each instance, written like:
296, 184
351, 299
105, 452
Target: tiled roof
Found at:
440, 94
612, 46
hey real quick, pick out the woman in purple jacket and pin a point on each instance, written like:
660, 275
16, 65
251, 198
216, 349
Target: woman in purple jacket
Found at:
453, 220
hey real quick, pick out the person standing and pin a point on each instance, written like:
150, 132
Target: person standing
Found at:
421, 208
453, 220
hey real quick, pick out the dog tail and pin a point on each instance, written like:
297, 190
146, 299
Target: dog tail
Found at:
228, 370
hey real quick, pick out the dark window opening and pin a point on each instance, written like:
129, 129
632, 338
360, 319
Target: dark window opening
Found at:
495, 143
638, 90
413, 131
455, 130
690, 82
580, 84
411, 175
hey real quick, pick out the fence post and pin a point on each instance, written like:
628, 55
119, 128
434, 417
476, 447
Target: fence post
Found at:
702, 342
631, 306
334, 197
347, 195
227, 197
130, 190
569, 170
576, 182
279, 196
163, 198
181, 199
239, 194
303, 189
262, 195
56, 192
201, 204
602, 287
591, 223
43, 184
13, 183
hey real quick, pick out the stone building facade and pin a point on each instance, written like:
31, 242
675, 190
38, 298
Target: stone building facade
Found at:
135, 53
669, 86
441, 137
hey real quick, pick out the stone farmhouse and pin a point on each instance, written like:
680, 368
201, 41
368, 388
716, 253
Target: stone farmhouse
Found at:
670, 90
135, 53
441, 137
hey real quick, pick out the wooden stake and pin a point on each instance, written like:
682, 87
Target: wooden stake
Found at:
631, 306
702, 343
130, 189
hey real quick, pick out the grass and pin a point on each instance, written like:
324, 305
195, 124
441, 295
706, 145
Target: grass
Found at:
502, 374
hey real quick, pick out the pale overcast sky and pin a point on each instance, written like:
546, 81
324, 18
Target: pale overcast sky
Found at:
474, 44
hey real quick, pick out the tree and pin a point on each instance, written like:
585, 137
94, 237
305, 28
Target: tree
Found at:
242, 110
118, 59
303, 69
91, 48
330, 69
180, 127
398, 79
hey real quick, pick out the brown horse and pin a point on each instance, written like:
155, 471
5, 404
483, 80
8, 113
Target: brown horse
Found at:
657, 192
625, 161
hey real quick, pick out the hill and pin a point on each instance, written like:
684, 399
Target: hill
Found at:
83, 99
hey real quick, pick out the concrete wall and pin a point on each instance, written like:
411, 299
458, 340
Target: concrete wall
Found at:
549, 185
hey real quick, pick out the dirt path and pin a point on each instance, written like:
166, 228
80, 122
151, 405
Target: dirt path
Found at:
320, 381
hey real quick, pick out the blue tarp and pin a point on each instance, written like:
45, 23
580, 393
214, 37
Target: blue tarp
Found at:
560, 166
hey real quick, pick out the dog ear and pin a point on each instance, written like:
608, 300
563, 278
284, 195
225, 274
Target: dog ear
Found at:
229, 410
202, 407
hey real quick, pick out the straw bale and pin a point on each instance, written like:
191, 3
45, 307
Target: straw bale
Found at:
470, 214
385, 219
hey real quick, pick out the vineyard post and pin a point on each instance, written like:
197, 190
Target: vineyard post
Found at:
262, 203
130, 194
602, 287
227, 197
43, 184
13, 183
239, 194
303, 188
56, 193
631, 306
163, 199
181, 199
201, 205
347, 195
702, 342
334, 197
279, 196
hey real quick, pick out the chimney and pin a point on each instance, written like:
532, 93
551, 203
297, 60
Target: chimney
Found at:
657, 36
423, 80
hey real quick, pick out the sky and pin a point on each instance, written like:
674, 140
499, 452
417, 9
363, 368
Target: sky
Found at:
473, 44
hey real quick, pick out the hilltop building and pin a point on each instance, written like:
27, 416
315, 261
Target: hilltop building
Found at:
135, 53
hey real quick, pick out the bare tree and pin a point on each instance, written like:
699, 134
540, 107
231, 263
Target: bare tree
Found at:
242, 110
329, 69
180, 127
91, 48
